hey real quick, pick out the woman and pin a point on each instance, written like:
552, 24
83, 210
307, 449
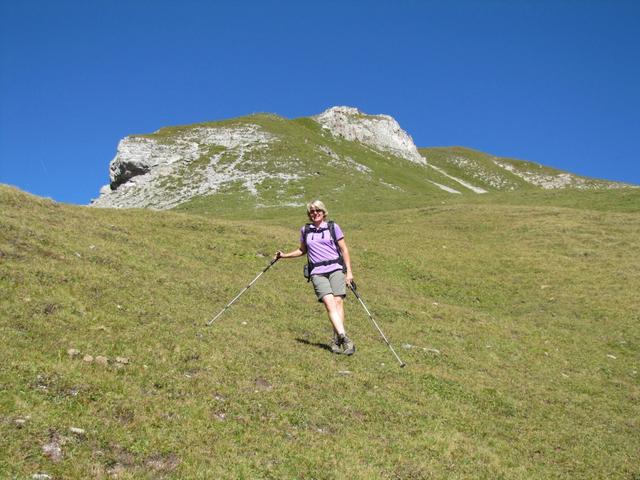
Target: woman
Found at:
329, 268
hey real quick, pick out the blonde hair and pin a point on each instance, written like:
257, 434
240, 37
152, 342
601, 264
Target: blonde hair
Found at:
318, 205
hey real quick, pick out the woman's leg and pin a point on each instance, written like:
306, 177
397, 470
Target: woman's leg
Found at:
340, 305
335, 310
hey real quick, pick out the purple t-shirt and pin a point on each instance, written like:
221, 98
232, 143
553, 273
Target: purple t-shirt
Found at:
320, 247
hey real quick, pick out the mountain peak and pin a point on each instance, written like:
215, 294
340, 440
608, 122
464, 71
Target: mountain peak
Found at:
265, 161
381, 132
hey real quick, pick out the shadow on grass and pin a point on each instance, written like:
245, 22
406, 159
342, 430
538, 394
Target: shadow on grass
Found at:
323, 346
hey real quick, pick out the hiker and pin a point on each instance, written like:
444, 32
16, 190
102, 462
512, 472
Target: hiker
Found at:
329, 269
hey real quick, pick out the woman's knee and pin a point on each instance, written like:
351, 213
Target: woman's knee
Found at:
330, 301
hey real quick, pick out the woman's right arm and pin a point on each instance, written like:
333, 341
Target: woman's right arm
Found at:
298, 252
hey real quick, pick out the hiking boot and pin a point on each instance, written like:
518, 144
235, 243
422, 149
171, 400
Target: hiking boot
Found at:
335, 345
347, 345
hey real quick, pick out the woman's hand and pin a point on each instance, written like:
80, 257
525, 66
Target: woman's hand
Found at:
293, 254
348, 278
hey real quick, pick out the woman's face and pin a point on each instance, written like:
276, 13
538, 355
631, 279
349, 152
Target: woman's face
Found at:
316, 214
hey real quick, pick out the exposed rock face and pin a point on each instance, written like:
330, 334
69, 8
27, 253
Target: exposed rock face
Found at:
150, 172
381, 132
138, 155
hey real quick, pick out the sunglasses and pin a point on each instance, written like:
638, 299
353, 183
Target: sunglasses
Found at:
313, 212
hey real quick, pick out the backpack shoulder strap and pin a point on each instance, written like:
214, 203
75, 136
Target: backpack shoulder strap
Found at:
307, 229
332, 230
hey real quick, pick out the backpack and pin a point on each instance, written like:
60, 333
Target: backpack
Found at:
308, 268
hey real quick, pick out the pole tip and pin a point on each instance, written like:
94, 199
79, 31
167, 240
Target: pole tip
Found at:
402, 365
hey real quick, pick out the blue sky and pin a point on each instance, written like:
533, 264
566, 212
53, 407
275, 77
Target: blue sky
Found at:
556, 82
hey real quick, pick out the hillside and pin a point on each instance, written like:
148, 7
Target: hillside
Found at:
265, 161
516, 313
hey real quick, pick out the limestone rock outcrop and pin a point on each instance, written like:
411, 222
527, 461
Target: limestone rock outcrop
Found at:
161, 172
381, 132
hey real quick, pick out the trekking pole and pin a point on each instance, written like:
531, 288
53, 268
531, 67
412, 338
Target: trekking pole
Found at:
352, 286
243, 290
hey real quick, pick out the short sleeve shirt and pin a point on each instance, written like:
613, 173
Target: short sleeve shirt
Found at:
321, 248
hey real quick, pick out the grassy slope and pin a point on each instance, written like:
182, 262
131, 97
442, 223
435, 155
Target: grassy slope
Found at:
519, 325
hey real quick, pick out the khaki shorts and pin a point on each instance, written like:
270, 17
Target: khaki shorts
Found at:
327, 283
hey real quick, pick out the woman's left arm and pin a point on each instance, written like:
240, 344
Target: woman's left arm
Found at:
347, 260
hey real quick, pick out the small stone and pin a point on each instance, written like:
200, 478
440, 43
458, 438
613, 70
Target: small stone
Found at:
73, 353
407, 346
122, 360
102, 360
77, 431
41, 476
92, 247
53, 451
221, 417
20, 422
87, 358
244, 323
344, 372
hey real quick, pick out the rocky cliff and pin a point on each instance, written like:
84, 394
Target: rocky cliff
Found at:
380, 132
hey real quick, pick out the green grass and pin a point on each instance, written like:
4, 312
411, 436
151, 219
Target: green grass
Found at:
516, 314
